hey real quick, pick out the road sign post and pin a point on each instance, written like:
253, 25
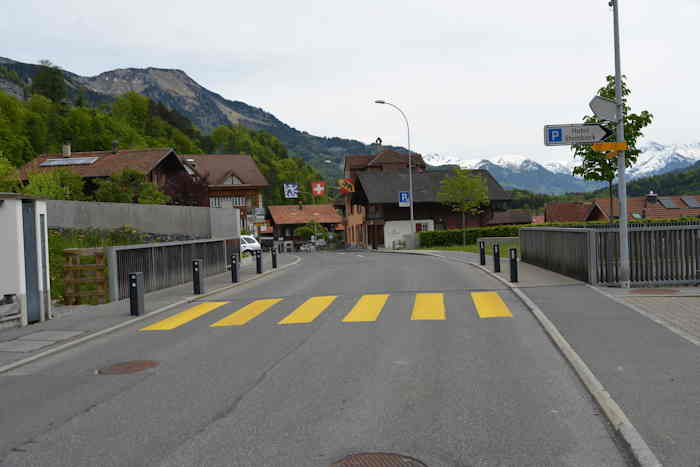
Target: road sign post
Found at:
568, 134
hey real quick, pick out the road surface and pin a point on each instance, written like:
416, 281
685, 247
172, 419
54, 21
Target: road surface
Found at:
345, 353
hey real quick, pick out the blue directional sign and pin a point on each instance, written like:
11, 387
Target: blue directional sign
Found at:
404, 199
580, 133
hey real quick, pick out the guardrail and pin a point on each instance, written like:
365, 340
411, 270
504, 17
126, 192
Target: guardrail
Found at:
667, 253
166, 264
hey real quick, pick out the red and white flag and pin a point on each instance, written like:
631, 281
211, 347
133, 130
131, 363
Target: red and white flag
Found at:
318, 189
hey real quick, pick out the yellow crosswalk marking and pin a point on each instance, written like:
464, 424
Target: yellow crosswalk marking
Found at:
184, 317
309, 310
428, 306
366, 309
248, 312
490, 305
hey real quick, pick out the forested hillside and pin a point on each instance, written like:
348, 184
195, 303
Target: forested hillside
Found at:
40, 124
681, 182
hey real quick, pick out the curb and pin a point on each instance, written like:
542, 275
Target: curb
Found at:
639, 449
129, 322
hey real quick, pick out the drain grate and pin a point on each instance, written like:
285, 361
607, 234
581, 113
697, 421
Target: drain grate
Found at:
125, 368
378, 459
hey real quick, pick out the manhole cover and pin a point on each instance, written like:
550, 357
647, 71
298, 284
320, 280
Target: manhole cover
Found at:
378, 459
124, 368
654, 291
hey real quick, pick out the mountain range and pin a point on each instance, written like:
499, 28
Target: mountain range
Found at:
207, 110
555, 177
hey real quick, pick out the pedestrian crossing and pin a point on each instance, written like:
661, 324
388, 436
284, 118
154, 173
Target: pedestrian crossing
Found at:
367, 309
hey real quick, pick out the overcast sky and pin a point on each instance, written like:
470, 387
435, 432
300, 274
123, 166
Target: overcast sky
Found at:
475, 78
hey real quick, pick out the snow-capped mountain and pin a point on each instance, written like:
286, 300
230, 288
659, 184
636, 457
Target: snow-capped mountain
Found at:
555, 177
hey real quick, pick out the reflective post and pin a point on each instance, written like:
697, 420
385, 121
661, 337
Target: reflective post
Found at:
198, 276
136, 286
482, 253
234, 268
258, 261
274, 258
513, 253
496, 258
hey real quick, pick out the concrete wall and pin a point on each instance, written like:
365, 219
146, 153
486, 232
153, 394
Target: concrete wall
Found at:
11, 248
395, 231
225, 222
197, 222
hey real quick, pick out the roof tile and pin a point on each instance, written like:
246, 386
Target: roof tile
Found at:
292, 214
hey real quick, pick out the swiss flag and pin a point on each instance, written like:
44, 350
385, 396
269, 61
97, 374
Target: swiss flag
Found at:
318, 188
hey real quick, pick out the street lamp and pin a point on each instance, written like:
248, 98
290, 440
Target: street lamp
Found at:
410, 159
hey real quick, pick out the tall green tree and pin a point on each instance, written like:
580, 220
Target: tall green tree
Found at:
49, 82
63, 184
465, 192
129, 186
598, 166
9, 178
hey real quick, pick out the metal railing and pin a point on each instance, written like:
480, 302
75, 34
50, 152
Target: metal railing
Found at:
563, 250
665, 253
165, 264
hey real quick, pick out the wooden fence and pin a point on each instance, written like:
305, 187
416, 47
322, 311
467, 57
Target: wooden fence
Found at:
85, 282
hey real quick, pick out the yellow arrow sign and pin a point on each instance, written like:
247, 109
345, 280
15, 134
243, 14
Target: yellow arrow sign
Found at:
605, 147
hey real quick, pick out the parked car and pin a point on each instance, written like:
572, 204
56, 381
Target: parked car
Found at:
249, 243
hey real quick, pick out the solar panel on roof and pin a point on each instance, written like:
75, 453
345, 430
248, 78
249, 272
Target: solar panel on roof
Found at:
690, 201
668, 203
68, 161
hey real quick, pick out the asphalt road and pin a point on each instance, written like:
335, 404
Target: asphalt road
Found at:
400, 360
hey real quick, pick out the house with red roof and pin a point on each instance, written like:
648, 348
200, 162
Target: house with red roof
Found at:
286, 218
651, 206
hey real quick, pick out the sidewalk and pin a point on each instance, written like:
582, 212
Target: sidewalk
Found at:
72, 323
650, 370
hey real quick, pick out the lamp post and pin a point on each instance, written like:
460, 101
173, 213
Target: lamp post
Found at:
410, 159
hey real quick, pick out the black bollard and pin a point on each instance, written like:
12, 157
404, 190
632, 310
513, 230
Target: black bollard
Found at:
482, 253
136, 286
496, 258
234, 268
513, 253
258, 261
274, 258
198, 276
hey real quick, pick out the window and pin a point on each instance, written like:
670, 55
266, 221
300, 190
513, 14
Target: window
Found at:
228, 201
233, 180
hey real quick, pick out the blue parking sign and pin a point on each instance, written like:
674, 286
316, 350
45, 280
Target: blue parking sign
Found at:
554, 135
404, 199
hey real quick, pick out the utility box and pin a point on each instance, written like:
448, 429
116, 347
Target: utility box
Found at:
24, 269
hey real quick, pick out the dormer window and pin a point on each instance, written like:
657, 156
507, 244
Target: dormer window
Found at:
233, 180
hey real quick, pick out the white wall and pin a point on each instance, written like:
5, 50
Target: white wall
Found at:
12, 280
394, 231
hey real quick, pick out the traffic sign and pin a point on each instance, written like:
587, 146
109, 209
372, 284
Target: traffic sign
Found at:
291, 190
404, 199
566, 135
613, 146
605, 109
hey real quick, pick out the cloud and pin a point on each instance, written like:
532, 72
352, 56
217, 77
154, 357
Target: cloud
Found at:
474, 77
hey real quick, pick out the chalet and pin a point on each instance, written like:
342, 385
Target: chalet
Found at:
161, 166
234, 180
387, 224
286, 218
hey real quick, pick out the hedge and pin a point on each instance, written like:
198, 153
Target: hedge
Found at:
454, 237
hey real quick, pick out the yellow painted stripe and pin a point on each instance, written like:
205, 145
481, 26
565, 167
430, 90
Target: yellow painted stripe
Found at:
428, 306
366, 309
248, 312
309, 310
490, 305
184, 317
